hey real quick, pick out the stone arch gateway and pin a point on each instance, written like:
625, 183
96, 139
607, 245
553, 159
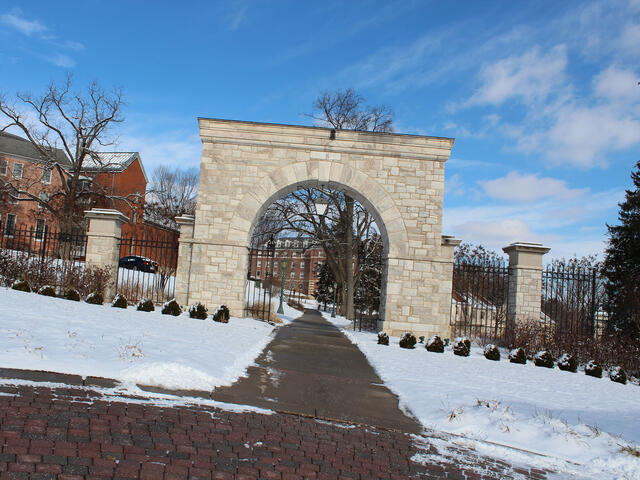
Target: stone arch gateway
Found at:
400, 178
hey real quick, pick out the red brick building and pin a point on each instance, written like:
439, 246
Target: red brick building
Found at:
303, 258
116, 174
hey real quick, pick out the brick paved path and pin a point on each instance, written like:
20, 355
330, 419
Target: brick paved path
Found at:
76, 433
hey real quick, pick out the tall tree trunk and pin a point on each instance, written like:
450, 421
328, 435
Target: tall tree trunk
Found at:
349, 257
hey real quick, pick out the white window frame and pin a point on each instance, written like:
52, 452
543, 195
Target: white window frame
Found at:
301, 274
44, 197
13, 170
47, 180
4, 171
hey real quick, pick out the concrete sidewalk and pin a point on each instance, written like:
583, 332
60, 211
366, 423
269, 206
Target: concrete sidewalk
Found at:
311, 368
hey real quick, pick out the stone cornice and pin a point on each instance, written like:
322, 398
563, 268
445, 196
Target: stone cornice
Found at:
319, 139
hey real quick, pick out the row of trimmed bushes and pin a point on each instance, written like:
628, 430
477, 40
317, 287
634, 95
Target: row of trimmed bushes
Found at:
197, 310
462, 347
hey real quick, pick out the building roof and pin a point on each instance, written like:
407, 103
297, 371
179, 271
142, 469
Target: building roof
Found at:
113, 162
16, 146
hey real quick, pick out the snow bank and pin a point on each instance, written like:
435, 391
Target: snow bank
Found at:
44, 333
565, 415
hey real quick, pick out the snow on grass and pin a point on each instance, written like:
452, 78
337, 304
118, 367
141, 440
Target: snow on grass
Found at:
569, 416
44, 333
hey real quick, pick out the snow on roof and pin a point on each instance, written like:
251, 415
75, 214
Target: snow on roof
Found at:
113, 162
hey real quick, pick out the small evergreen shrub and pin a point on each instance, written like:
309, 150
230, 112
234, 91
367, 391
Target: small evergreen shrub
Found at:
95, 298
568, 363
21, 286
435, 344
145, 305
171, 308
383, 338
71, 294
119, 301
47, 291
462, 347
408, 340
543, 359
593, 369
198, 310
222, 314
491, 352
618, 375
517, 356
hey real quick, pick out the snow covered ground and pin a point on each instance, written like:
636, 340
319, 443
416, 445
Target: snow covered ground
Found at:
44, 333
567, 416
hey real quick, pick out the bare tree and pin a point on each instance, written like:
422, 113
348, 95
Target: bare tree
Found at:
172, 193
67, 129
344, 220
346, 110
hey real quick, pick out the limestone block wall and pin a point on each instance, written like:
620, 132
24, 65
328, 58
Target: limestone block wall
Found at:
103, 242
398, 178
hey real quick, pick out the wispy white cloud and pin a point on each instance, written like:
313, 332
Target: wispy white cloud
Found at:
530, 77
528, 188
40, 33
16, 21
236, 15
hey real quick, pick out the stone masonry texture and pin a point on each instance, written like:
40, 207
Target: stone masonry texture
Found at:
76, 434
398, 178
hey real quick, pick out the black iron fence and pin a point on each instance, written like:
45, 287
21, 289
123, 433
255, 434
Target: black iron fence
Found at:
47, 257
147, 269
261, 284
479, 300
571, 300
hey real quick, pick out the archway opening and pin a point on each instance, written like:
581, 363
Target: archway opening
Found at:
318, 245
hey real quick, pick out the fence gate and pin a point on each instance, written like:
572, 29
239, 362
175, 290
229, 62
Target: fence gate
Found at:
479, 299
147, 269
261, 284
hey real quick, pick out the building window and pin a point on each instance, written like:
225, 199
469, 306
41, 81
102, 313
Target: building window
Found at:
259, 263
3, 167
294, 254
293, 274
293, 265
46, 175
18, 169
302, 264
276, 254
301, 274
44, 197
40, 226
10, 225
258, 274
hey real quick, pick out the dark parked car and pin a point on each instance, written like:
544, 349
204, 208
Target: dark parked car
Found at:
135, 262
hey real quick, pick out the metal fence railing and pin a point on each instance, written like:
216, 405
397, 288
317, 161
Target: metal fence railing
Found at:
261, 283
571, 300
147, 269
47, 257
479, 300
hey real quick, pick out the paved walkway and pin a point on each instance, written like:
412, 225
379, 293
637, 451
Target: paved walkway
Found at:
311, 368
78, 434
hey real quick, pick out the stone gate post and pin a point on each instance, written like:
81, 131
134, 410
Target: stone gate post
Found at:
448, 243
525, 282
103, 243
185, 254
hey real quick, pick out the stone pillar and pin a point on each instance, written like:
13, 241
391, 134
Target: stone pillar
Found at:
525, 282
448, 245
103, 243
185, 254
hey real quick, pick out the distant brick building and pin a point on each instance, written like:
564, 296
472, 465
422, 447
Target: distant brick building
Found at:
303, 259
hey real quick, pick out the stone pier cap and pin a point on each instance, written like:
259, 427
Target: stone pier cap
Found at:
525, 254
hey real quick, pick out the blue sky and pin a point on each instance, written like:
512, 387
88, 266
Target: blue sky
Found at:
541, 97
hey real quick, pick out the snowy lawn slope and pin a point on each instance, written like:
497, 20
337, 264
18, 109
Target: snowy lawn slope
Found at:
565, 415
44, 333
